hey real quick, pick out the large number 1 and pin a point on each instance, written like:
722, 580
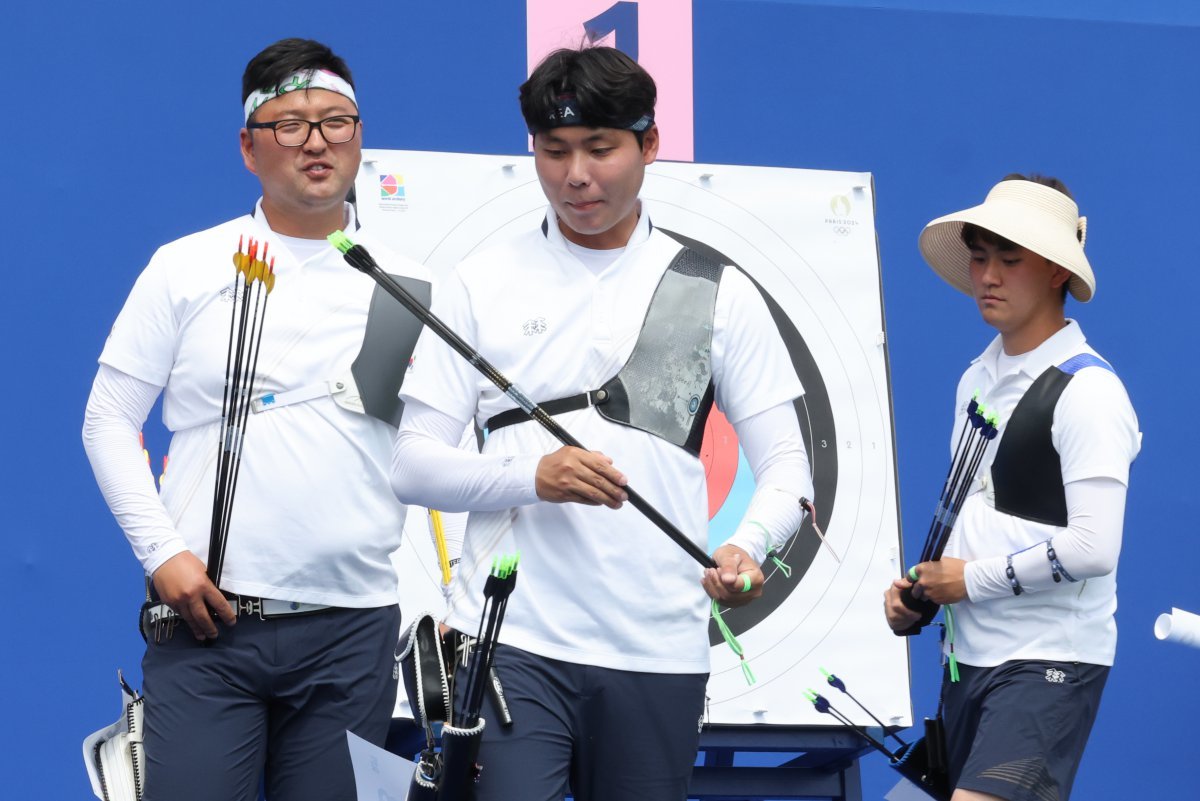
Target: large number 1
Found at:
619, 19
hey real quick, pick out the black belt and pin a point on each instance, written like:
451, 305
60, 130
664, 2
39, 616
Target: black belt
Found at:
561, 406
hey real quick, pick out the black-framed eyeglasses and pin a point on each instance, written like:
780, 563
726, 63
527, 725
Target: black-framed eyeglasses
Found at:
294, 133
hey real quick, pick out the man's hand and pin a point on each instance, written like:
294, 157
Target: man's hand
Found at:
899, 616
941, 582
183, 585
725, 583
573, 475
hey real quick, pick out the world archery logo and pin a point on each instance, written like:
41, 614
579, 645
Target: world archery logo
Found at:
391, 187
536, 325
1055, 676
229, 293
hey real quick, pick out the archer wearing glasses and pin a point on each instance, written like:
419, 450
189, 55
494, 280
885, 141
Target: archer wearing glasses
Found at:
306, 579
295, 133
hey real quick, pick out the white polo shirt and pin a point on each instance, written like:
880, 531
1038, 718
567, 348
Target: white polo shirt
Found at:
314, 517
1095, 433
595, 586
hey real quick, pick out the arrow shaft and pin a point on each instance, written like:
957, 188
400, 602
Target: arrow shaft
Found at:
361, 260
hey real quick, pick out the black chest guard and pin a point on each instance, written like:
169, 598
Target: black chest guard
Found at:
1027, 472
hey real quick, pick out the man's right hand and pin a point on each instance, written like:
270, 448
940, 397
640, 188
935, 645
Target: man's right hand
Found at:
573, 475
899, 616
183, 585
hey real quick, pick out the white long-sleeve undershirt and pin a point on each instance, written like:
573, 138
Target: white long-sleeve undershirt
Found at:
775, 450
429, 468
116, 411
1087, 548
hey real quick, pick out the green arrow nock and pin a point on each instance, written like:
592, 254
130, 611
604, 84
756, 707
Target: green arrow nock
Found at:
340, 241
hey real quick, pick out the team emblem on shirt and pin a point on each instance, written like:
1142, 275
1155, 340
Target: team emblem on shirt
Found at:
536, 325
1055, 676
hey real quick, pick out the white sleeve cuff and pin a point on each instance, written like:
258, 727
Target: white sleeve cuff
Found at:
772, 517
986, 579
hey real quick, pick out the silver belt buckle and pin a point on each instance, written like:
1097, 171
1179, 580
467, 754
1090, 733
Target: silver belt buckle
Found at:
250, 606
464, 646
158, 622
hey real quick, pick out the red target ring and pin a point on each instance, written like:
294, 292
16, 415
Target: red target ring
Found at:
719, 455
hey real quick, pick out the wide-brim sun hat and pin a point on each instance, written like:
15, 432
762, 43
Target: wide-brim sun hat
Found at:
1026, 213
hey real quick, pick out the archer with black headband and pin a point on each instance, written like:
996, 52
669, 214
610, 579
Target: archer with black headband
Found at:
1028, 566
271, 617
626, 337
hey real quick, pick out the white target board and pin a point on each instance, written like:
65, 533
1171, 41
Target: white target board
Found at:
807, 239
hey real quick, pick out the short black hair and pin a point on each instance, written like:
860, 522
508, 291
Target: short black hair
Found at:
278, 61
972, 234
1044, 180
609, 88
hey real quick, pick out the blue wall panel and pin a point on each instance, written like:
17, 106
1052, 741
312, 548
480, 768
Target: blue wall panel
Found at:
120, 134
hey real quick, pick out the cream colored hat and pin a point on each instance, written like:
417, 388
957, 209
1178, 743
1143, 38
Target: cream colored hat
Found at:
1027, 213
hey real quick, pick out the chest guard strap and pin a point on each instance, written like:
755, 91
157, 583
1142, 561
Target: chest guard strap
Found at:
665, 387
373, 382
1027, 471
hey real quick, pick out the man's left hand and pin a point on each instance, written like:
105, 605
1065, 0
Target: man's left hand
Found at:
941, 582
724, 583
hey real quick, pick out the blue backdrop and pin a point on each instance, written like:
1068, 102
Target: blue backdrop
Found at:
121, 134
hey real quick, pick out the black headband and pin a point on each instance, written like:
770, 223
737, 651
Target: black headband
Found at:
566, 112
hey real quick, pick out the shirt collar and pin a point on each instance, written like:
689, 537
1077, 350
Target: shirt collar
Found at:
640, 233
279, 242
349, 216
1062, 345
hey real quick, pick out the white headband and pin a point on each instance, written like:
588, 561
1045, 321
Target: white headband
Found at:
306, 79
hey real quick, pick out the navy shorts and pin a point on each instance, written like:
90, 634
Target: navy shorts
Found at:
1018, 730
607, 735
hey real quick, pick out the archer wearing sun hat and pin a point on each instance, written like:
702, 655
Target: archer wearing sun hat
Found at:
1028, 575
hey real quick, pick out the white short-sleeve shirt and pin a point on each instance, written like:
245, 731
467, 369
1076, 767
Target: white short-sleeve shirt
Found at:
595, 586
314, 517
1095, 433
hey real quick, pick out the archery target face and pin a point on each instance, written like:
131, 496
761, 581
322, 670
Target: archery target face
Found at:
806, 239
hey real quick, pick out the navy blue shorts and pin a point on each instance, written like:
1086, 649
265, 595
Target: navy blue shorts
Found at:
1018, 730
607, 735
